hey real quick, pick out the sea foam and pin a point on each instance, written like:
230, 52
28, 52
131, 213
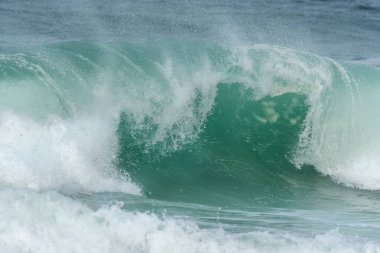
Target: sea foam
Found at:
49, 222
74, 155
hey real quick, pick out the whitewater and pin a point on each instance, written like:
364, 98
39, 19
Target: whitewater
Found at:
189, 127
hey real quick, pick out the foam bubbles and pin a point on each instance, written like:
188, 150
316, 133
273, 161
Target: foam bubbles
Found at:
361, 171
49, 222
339, 137
71, 155
167, 97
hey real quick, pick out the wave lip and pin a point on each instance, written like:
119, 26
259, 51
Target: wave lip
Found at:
167, 92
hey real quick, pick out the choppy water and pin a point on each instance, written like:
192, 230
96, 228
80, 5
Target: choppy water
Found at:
189, 126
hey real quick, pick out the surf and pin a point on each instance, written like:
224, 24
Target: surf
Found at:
251, 115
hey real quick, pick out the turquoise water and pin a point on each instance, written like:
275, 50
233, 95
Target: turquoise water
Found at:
130, 131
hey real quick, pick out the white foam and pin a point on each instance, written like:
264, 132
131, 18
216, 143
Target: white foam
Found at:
76, 153
175, 101
339, 136
49, 222
68, 155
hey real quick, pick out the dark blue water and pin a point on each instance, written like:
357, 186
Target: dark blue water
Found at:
341, 29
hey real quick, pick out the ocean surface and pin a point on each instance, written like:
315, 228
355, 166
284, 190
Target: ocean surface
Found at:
190, 126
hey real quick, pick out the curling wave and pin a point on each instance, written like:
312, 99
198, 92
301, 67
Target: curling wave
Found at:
190, 113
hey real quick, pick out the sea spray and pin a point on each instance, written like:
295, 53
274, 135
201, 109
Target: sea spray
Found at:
60, 155
167, 92
255, 134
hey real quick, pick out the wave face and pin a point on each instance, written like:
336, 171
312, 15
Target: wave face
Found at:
187, 113
186, 146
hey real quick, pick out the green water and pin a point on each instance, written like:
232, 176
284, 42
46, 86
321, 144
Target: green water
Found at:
251, 144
